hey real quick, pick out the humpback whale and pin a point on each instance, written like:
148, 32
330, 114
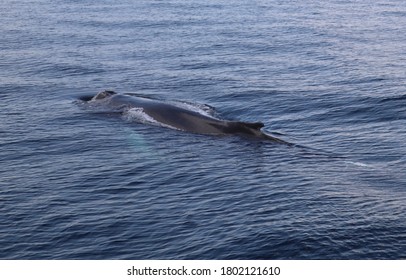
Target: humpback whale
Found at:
178, 117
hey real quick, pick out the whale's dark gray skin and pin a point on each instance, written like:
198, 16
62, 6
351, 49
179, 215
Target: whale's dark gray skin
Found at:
180, 118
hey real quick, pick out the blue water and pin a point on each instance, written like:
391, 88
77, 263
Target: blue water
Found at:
329, 76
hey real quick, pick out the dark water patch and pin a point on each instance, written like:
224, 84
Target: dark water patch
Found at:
52, 70
361, 81
394, 99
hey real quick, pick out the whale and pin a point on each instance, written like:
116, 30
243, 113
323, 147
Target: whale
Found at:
178, 117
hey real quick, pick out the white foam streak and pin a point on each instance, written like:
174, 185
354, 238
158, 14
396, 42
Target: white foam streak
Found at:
138, 115
194, 107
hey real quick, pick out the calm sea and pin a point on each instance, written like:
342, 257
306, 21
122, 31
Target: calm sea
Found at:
329, 76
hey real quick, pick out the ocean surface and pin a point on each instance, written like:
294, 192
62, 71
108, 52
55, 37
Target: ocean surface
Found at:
328, 76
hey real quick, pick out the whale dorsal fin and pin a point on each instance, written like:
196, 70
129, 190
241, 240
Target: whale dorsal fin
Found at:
244, 127
255, 125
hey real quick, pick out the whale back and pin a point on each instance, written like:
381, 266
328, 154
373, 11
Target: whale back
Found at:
187, 120
178, 117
